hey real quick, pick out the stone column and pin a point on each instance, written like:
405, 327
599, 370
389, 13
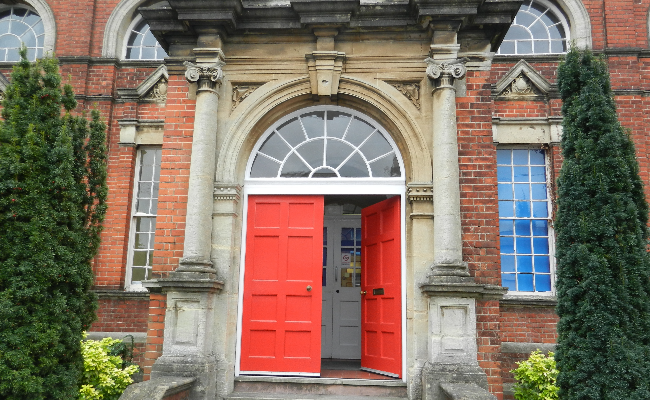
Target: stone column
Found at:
448, 245
452, 369
207, 73
188, 344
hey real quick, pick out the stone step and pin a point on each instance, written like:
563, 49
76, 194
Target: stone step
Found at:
267, 396
258, 388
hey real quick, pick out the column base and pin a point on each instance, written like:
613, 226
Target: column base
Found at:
452, 269
454, 381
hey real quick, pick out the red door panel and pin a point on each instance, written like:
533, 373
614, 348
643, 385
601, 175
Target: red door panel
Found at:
281, 323
381, 305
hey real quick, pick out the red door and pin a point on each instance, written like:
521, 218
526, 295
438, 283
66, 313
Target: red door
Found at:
281, 324
381, 305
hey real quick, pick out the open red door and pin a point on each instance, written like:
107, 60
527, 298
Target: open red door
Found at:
381, 308
281, 324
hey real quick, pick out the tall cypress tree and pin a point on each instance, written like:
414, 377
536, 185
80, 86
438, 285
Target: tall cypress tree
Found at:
52, 201
603, 284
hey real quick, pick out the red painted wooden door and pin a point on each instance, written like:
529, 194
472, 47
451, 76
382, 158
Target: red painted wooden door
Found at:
281, 324
381, 305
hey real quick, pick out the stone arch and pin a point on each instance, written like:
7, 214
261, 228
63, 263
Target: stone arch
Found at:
579, 21
49, 23
117, 27
381, 102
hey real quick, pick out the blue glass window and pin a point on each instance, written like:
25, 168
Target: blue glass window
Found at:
523, 220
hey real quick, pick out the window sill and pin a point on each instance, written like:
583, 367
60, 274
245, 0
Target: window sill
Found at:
529, 300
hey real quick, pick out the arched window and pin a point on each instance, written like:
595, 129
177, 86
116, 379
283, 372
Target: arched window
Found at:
20, 26
141, 44
539, 28
325, 142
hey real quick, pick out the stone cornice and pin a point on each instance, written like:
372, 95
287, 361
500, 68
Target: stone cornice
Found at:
455, 286
182, 21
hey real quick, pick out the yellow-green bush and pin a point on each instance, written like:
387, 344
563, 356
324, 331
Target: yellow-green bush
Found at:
536, 378
105, 377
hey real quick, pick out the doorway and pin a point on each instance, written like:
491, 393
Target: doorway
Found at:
298, 251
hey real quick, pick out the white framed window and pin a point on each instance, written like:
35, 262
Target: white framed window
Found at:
21, 26
538, 28
141, 43
144, 212
325, 142
527, 262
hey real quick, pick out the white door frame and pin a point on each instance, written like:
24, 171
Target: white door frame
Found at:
323, 186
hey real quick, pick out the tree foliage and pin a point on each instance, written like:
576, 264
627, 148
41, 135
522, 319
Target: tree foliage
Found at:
52, 201
536, 377
105, 374
603, 267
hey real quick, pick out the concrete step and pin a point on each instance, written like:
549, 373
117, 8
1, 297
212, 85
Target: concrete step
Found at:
272, 388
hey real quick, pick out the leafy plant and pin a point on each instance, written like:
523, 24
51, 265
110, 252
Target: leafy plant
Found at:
105, 376
52, 201
536, 378
603, 266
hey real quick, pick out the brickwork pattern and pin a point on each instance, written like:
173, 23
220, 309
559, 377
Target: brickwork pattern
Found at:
80, 36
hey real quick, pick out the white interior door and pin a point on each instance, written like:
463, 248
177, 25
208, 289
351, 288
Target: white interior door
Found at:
341, 291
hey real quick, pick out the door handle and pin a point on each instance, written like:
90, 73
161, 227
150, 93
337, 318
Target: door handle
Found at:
309, 288
336, 274
363, 292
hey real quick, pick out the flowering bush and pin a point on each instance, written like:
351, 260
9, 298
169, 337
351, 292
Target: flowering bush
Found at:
105, 377
536, 378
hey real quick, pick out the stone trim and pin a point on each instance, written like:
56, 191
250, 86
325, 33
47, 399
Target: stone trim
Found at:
138, 337
527, 130
117, 27
134, 132
151, 90
120, 294
49, 22
410, 90
522, 82
419, 192
526, 348
528, 301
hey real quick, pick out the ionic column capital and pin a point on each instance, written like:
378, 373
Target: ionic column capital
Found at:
446, 70
209, 77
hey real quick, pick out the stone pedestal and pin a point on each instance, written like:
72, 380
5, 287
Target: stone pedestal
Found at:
452, 358
187, 343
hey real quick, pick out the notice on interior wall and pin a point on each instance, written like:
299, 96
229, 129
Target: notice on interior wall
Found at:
345, 258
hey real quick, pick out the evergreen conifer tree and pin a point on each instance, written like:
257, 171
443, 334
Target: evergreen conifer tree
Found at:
52, 201
603, 284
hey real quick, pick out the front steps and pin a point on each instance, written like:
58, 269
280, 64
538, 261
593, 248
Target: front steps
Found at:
295, 388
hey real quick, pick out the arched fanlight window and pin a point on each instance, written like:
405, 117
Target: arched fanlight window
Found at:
142, 44
20, 26
539, 28
325, 142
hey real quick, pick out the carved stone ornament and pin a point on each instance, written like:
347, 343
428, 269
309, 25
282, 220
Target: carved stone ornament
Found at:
446, 71
158, 92
241, 92
520, 86
410, 90
207, 76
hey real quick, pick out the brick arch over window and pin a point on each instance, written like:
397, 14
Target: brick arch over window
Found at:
274, 100
117, 27
49, 24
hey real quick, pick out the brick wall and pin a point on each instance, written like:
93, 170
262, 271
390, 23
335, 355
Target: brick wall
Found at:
80, 34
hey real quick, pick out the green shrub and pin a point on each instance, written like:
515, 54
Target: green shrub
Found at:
52, 201
105, 375
536, 378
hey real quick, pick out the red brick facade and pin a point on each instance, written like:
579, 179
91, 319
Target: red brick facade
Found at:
618, 30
